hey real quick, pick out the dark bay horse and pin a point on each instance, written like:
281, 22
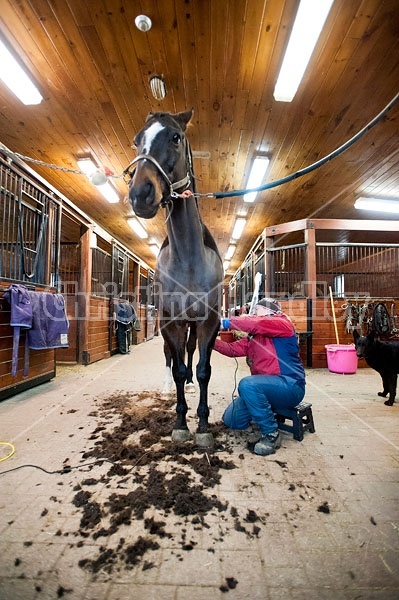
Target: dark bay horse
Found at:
189, 271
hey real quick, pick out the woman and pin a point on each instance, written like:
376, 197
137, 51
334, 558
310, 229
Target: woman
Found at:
277, 377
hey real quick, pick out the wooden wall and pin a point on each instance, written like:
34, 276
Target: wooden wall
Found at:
320, 321
98, 328
140, 336
297, 310
324, 331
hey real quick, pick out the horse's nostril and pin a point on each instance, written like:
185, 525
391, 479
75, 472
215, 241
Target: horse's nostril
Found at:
150, 193
143, 194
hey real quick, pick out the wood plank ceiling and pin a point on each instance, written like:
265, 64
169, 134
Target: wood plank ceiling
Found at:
220, 57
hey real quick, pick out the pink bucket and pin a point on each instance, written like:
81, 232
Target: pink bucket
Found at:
341, 358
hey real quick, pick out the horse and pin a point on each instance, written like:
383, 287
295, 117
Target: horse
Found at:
189, 272
190, 345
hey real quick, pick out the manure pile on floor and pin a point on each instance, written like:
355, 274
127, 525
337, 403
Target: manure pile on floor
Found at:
149, 475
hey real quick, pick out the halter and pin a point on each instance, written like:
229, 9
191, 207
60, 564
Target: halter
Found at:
185, 182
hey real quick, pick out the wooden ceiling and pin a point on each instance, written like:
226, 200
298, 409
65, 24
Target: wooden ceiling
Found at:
222, 58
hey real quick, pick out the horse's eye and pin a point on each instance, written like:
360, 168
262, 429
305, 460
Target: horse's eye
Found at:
176, 138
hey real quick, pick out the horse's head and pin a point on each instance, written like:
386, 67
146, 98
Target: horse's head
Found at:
163, 164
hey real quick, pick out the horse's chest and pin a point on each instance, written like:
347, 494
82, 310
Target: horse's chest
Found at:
186, 297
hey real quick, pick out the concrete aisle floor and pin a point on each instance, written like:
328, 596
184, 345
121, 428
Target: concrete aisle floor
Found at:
298, 550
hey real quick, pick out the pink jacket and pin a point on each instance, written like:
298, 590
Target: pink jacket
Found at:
271, 346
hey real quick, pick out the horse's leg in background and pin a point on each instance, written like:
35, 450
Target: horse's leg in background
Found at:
175, 336
191, 345
206, 333
168, 382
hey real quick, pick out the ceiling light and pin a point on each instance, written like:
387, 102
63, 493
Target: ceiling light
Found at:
137, 228
238, 228
230, 251
87, 166
16, 79
99, 179
256, 175
389, 205
143, 23
158, 87
109, 192
226, 264
155, 249
307, 27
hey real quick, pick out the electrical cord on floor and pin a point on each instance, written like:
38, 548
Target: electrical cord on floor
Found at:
62, 471
68, 468
10, 453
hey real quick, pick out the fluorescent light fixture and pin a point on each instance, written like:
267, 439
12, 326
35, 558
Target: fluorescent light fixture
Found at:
256, 176
238, 228
16, 79
230, 251
226, 264
109, 192
93, 173
389, 205
308, 24
155, 249
87, 166
137, 228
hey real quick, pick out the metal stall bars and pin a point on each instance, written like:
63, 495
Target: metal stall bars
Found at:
30, 221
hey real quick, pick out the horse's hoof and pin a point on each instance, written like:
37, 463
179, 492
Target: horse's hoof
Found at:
388, 402
181, 435
204, 440
189, 387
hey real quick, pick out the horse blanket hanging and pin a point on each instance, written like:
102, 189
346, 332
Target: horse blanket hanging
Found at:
42, 316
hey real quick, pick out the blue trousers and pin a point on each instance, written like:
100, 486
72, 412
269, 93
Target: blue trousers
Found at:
259, 396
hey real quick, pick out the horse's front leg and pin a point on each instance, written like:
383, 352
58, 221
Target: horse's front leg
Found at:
175, 338
207, 333
180, 432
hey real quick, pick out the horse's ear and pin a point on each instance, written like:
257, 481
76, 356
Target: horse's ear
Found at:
149, 116
355, 335
183, 118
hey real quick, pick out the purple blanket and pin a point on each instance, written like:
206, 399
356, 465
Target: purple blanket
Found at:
49, 321
42, 315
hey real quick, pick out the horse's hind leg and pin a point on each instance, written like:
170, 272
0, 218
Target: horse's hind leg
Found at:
191, 345
168, 382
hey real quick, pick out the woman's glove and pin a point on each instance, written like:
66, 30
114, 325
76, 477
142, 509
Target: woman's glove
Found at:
225, 323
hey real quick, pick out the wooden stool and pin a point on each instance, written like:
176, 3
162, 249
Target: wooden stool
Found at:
302, 420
